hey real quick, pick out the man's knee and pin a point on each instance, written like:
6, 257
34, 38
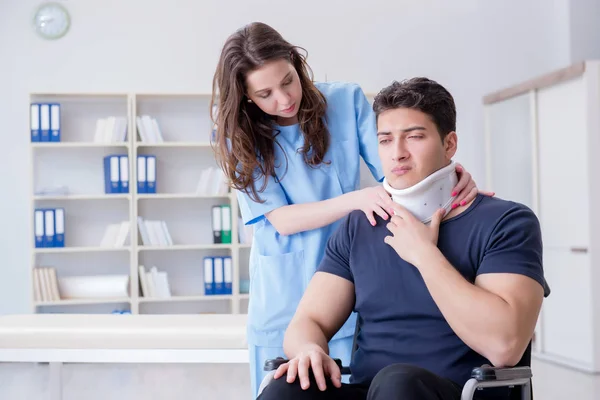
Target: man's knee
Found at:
281, 389
400, 381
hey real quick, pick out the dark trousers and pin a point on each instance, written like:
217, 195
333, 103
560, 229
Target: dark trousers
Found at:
394, 382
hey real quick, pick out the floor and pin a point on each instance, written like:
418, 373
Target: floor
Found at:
552, 382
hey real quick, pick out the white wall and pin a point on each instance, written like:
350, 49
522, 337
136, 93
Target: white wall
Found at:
470, 46
584, 35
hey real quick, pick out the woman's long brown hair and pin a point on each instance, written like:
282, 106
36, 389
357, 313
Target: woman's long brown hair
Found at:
245, 136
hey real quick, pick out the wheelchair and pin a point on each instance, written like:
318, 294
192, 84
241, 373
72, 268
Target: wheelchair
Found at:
484, 376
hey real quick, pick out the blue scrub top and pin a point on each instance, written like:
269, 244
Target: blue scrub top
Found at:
282, 266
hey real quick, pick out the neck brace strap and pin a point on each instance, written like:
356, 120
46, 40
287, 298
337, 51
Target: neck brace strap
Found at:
426, 197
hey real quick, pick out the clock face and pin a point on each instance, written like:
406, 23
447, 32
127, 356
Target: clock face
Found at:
51, 21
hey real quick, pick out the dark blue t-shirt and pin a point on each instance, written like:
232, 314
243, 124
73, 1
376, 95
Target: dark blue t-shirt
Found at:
400, 322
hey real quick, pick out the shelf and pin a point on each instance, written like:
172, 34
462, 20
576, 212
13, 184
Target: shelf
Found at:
76, 145
169, 196
80, 249
186, 247
175, 144
70, 175
76, 302
84, 197
184, 298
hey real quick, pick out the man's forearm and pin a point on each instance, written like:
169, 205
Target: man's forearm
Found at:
302, 335
483, 320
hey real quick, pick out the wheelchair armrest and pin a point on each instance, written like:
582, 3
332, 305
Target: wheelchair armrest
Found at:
487, 373
273, 364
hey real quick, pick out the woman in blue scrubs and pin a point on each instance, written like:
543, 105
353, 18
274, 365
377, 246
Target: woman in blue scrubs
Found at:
291, 148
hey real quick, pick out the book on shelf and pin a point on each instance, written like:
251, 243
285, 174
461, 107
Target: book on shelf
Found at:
111, 130
116, 173
218, 275
49, 227
148, 129
226, 223
146, 173
45, 285
116, 235
154, 233
221, 224
45, 122
154, 283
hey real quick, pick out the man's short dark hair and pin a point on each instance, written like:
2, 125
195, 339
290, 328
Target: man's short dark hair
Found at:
421, 94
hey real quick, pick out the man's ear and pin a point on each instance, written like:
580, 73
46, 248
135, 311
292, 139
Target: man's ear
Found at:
450, 144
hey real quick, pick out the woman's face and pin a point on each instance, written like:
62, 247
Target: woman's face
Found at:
275, 88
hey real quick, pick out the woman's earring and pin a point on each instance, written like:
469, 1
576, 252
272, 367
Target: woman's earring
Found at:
249, 100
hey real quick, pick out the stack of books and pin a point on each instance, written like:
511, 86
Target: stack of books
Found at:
111, 130
154, 233
116, 235
154, 283
148, 129
218, 275
45, 284
49, 227
44, 122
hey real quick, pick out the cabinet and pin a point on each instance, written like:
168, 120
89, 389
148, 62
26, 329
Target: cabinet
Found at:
542, 144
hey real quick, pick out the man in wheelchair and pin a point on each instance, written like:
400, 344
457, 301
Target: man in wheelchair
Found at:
438, 289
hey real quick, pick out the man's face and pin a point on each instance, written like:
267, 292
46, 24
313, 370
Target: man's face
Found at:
410, 147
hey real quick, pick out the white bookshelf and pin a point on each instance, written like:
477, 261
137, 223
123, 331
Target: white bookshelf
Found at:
75, 164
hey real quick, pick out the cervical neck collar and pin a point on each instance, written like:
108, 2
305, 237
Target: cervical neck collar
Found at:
432, 193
